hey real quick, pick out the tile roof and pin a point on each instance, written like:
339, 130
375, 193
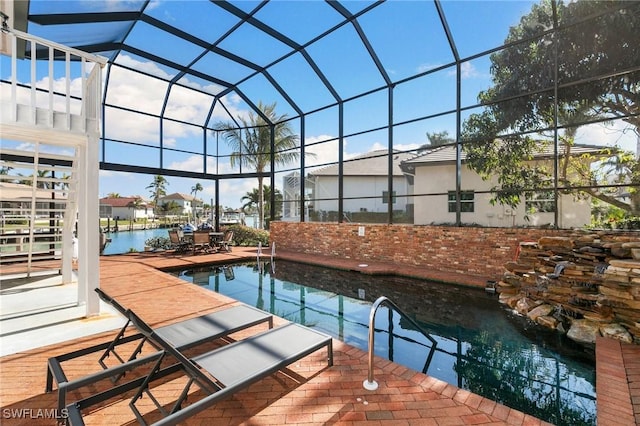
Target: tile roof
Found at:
178, 196
121, 201
373, 163
447, 153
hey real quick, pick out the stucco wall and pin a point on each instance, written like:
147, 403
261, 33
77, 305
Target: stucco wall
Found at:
480, 252
573, 213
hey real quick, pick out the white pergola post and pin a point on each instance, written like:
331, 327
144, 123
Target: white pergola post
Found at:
88, 228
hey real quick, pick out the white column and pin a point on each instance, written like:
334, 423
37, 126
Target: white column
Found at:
89, 228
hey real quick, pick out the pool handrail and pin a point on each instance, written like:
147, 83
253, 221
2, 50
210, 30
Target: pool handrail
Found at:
370, 383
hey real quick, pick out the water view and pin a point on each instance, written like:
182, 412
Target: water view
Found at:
479, 345
126, 241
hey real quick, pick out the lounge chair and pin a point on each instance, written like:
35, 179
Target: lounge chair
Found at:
223, 371
182, 335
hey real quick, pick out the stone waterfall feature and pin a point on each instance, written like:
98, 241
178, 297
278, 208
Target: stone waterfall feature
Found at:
583, 286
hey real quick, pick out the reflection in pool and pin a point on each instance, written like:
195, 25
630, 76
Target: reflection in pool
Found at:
480, 347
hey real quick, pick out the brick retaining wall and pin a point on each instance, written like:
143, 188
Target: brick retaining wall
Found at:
481, 252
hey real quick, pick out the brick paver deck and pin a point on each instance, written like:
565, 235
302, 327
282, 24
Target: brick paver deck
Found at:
311, 392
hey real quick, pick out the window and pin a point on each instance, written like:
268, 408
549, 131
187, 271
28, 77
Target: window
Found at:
540, 202
466, 201
385, 197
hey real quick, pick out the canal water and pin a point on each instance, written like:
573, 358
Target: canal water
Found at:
126, 241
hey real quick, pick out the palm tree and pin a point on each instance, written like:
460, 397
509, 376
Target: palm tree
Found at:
113, 195
134, 205
251, 145
158, 189
194, 190
251, 200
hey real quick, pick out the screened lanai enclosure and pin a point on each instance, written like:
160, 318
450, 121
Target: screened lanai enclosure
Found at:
490, 113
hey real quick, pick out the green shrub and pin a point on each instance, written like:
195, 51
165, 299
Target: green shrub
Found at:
246, 236
158, 243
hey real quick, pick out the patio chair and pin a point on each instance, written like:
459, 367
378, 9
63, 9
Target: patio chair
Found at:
182, 335
227, 240
224, 371
178, 244
201, 242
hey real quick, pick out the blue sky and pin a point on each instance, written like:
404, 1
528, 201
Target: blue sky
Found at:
406, 35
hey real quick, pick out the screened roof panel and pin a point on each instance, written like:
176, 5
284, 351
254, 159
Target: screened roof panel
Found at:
301, 21
490, 18
146, 38
161, 71
222, 67
356, 6
198, 18
254, 45
258, 88
247, 5
302, 83
83, 6
132, 88
413, 26
181, 105
201, 85
344, 60
83, 34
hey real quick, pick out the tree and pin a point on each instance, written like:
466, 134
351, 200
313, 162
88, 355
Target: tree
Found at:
134, 205
251, 145
194, 190
113, 195
251, 201
170, 207
599, 50
158, 189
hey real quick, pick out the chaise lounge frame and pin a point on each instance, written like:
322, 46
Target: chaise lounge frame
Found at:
182, 335
223, 371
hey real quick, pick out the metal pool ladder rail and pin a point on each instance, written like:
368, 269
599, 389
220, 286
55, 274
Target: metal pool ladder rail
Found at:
370, 383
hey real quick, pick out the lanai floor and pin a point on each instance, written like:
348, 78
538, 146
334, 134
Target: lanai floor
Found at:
311, 393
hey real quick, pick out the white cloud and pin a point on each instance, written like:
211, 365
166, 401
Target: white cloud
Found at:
617, 133
467, 70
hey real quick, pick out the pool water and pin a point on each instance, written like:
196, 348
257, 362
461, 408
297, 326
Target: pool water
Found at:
125, 241
480, 346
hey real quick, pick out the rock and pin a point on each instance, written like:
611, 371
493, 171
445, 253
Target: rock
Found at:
631, 245
621, 294
539, 311
616, 331
583, 331
548, 321
509, 299
625, 263
524, 305
518, 267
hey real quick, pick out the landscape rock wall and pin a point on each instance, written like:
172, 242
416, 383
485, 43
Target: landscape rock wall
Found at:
586, 285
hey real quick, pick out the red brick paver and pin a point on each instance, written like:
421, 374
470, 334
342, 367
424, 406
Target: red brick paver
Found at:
310, 392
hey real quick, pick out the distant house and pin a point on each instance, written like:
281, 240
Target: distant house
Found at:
434, 183
188, 204
365, 184
16, 200
122, 208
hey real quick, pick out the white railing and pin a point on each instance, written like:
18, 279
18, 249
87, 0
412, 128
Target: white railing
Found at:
43, 95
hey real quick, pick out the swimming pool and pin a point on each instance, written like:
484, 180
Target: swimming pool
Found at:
480, 346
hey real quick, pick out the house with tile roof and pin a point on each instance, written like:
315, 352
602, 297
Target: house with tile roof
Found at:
121, 208
434, 190
188, 203
365, 184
